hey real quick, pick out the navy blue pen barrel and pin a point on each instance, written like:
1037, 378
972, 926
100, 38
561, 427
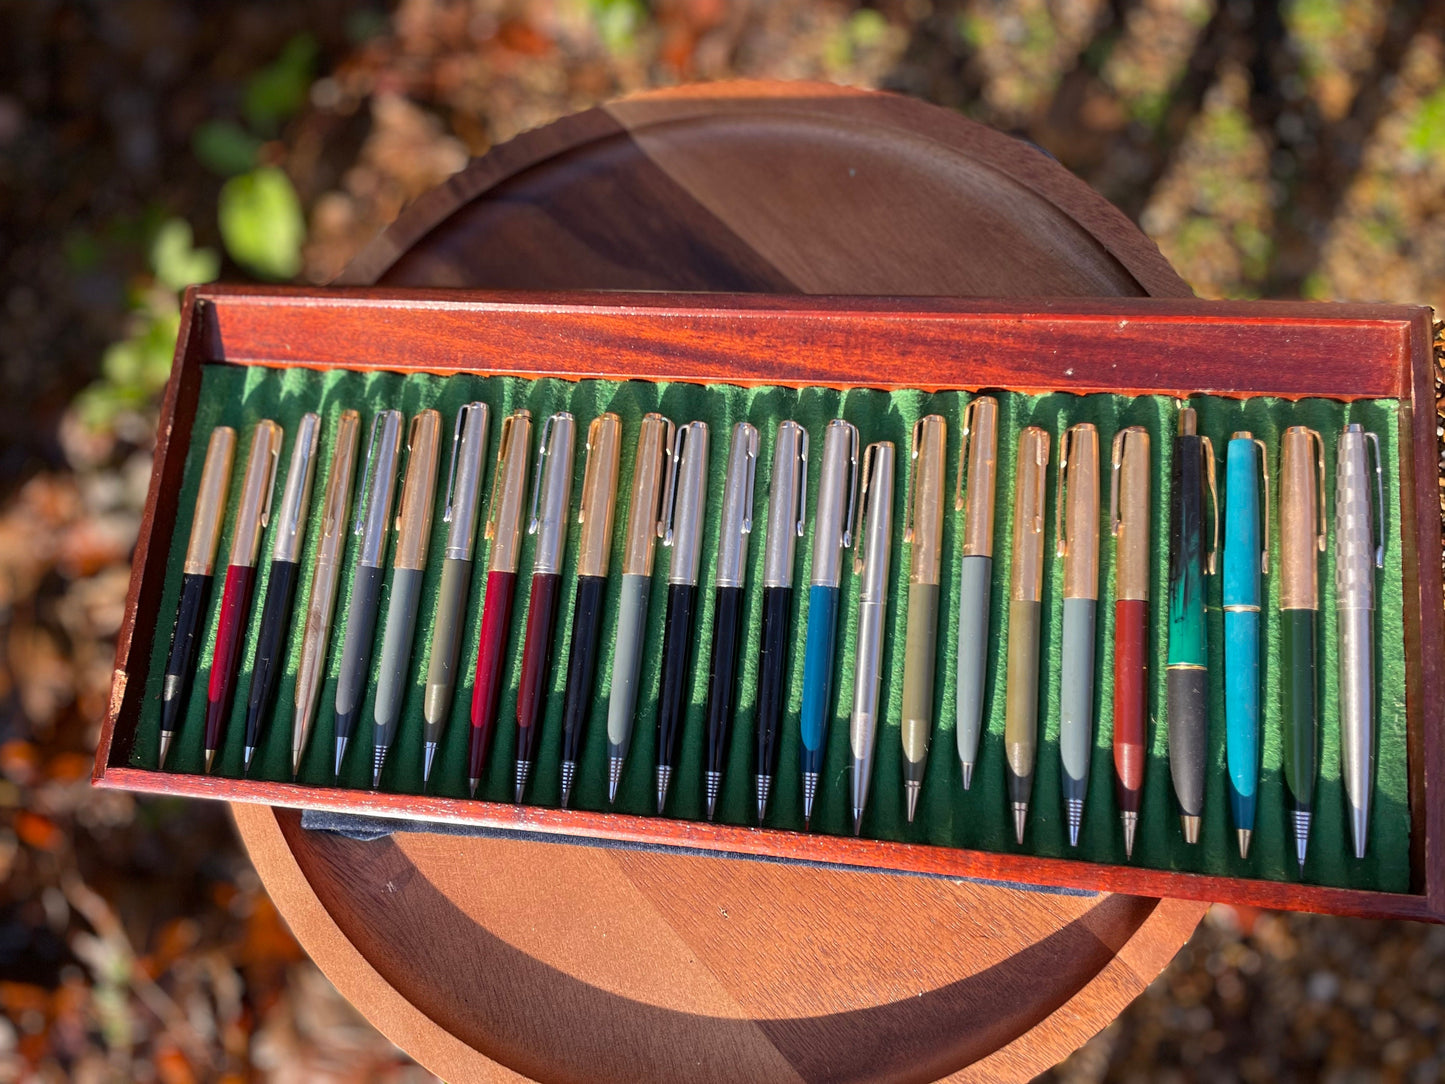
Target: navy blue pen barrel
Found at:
773, 675
582, 663
722, 679
270, 657
677, 639
185, 639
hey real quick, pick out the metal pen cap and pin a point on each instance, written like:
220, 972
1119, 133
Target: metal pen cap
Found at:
837, 500
787, 503
211, 502
599, 495
737, 509
874, 529
418, 490
336, 501
509, 493
979, 450
650, 479
1129, 512
923, 524
687, 490
378, 487
1301, 517
464, 480
256, 491
1077, 507
1026, 573
296, 496
1359, 528
552, 491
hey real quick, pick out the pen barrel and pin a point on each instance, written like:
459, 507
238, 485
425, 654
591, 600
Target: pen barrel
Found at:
1076, 699
867, 678
1186, 557
446, 646
1021, 706
230, 634
1241, 564
627, 663
1130, 679
396, 644
976, 576
270, 657
727, 637
677, 636
919, 662
487, 689
1357, 707
536, 661
1241, 712
772, 676
1187, 689
356, 647
1301, 720
818, 650
582, 663
185, 642
311, 672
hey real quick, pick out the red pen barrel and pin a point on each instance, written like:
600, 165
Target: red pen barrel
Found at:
487, 692
1130, 616
226, 659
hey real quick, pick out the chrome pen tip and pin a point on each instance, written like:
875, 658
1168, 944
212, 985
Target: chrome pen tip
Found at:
377, 760
1021, 821
857, 822
1131, 826
1245, 834
1191, 827
524, 770
569, 772
764, 785
664, 781
472, 784
614, 778
428, 757
247, 754
1301, 836
340, 752
911, 789
1075, 809
967, 774
810, 792
1360, 829
714, 781
295, 762
210, 760
166, 736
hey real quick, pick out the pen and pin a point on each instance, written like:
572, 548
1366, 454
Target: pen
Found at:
832, 534
504, 529
594, 546
979, 448
923, 530
1077, 532
196, 579
1025, 607
373, 518
551, 501
255, 510
413, 526
325, 578
1187, 662
787, 505
875, 532
464, 487
727, 627
644, 528
1301, 537
1246, 558
269, 657
1360, 541
1129, 523
683, 534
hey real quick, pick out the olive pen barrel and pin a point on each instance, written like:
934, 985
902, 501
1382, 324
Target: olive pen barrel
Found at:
1021, 704
920, 643
1076, 708
976, 584
446, 648
391, 685
626, 662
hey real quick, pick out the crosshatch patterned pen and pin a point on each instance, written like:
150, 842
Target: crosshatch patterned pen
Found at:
251, 519
870, 564
1077, 536
979, 448
1025, 607
1129, 523
196, 573
923, 531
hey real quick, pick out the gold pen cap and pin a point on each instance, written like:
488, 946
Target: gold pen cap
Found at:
1129, 512
418, 490
1077, 502
1301, 517
256, 489
336, 501
644, 513
552, 491
923, 527
211, 502
978, 450
296, 496
509, 492
599, 495
687, 489
1026, 581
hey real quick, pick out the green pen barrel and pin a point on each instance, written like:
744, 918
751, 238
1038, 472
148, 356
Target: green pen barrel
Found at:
1301, 722
920, 652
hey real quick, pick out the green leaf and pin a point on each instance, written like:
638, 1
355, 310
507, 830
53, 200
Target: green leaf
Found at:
224, 147
261, 223
279, 90
176, 261
1426, 134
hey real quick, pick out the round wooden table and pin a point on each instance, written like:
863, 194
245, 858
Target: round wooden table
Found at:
493, 958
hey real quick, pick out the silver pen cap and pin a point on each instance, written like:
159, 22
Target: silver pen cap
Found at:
552, 491
684, 511
378, 487
737, 510
1359, 530
464, 481
787, 503
837, 497
875, 522
296, 497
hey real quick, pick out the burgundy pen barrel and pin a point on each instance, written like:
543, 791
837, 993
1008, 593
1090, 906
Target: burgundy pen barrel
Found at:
1129, 682
235, 604
487, 692
536, 656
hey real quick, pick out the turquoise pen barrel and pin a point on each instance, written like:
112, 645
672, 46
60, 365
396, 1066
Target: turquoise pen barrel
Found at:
818, 674
1243, 565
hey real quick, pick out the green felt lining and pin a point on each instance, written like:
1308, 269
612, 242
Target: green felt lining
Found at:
241, 395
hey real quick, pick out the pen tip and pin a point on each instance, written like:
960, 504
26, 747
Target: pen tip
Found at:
1244, 837
1301, 836
614, 778
524, 770
472, 785
340, 752
569, 772
377, 760
967, 775
1360, 829
246, 756
912, 788
1131, 825
210, 760
857, 822
1191, 827
429, 754
165, 748
295, 762
810, 791
764, 785
1021, 821
714, 781
664, 780
1075, 807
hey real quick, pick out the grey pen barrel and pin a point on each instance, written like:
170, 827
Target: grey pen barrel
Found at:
977, 577
627, 664
396, 644
1021, 712
1357, 731
441, 674
1076, 704
1360, 541
356, 647
1188, 695
863, 724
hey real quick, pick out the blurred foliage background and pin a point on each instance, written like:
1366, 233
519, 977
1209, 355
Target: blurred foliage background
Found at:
1285, 149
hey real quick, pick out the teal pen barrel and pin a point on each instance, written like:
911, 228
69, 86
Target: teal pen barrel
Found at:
818, 674
1076, 706
1241, 713
977, 577
396, 653
626, 664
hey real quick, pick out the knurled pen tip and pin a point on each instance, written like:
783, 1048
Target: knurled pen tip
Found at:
1021, 821
764, 786
1191, 827
1131, 826
714, 780
1244, 837
1075, 809
664, 781
810, 791
569, 773
911, 790
378, 759
1301, 836
524, 769
614, 777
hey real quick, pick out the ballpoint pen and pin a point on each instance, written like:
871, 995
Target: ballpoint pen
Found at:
594, 546
870, 562
727, 627
281, 580
1246, 558
1301, 539
413, 533
464, 487
787, 505
1077, 532
373, 518
979, 449
651, 481
196, 573
504, 530
683, 533
1025, 608
325, 578
1129, 523
923, 531
251, 518
551, 501
832, 534
1187, 662
1360, 549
